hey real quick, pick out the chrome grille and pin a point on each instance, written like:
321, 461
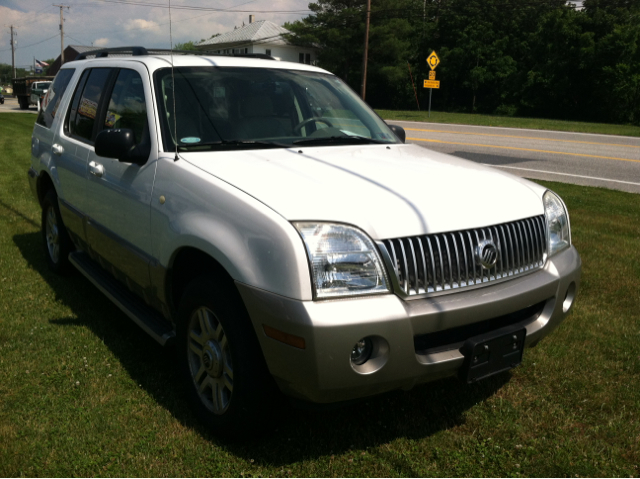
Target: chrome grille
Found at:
445, 261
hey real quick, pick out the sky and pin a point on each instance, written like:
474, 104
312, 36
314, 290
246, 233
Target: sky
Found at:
113, 23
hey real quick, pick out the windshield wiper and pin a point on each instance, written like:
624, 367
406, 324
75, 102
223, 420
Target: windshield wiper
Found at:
338, 140
233, 145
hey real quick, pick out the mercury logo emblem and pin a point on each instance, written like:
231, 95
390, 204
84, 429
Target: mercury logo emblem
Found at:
486, 254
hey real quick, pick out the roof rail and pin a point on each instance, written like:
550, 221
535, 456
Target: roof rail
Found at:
104, 52
140, 51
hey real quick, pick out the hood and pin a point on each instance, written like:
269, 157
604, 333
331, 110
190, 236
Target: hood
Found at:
388, 191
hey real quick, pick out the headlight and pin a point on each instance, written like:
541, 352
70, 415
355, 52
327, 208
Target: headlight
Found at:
558, 232
344, 260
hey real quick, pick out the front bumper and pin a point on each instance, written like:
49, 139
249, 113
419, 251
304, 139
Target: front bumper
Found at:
322, 372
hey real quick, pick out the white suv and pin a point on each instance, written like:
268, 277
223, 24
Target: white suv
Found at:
258, 214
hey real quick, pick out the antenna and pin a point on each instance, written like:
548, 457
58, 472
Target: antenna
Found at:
173, 82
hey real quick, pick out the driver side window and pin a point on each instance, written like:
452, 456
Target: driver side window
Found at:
127, 107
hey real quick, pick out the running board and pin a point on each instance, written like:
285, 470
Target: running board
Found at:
144, 316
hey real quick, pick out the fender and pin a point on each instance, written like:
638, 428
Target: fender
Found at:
254, 244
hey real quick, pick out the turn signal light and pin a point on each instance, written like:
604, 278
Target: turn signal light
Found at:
286, 338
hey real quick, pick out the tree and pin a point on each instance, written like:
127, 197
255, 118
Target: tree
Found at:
6, 73
187, 46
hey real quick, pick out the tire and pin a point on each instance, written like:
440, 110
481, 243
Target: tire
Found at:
23, 102
220, 362
55, 239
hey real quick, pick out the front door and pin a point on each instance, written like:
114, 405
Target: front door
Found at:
118, 195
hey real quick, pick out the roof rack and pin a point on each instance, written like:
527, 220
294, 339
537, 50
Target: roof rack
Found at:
142, 51
104, 52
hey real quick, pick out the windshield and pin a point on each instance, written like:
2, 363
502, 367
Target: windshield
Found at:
43, 85
240, 108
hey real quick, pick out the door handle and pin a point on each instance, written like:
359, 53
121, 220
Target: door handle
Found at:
57, 149
96, 169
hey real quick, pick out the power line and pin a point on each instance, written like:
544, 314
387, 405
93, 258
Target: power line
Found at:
33, 44
74, 39
33, 14
201, 9
160, 24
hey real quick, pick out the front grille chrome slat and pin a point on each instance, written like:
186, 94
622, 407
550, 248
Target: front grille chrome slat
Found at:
423, 256
505, 252
455, 250
447, 261
416, 286
433, 265
405, 270
466, 264
472, 259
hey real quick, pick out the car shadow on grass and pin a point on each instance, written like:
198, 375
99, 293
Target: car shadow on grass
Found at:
299, 433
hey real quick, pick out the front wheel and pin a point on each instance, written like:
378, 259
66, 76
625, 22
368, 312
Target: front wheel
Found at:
220, 361
55, 239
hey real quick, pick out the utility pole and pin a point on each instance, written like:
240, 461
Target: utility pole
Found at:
365, 57
13, 51
62, 32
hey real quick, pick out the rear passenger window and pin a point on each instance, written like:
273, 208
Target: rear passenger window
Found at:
86, 99
127, 108
54, 95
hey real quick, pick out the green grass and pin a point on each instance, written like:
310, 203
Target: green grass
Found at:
510, 122
83, 391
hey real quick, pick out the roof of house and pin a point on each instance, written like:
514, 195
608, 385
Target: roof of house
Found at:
263, 31
82, 48
70, 54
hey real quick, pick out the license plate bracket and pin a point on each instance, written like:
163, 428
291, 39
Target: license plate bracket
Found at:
491, 354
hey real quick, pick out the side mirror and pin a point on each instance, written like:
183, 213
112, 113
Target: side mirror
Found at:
399, 132
119, 143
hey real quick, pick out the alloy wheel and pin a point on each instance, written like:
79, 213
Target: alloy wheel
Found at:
52, 237
209, 358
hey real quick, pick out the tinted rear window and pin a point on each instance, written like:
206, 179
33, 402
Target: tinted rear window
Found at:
54, 96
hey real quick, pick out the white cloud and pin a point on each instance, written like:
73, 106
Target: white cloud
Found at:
141, 24
105, 24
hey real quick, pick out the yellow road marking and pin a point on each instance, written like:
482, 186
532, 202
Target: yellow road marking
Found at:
522, 137
525, 149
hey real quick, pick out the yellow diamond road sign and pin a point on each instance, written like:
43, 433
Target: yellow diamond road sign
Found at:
433, 60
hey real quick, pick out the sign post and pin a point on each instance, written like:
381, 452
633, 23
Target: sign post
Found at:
433, 61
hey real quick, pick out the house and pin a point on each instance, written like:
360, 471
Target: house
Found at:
70, 54
259, 37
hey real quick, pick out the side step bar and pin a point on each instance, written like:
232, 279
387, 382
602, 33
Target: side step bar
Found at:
148, 319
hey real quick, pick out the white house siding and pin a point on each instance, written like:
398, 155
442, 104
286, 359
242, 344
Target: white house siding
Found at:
287, 53
281, 52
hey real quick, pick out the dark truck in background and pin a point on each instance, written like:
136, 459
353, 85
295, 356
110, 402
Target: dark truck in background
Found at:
23, 88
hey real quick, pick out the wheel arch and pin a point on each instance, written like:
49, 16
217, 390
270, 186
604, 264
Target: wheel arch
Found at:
44, 184
187, 264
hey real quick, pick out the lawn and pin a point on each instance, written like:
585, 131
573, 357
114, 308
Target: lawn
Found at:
510, 122
83, 391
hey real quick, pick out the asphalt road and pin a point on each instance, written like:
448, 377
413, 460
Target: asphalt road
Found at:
11, 106
580, 158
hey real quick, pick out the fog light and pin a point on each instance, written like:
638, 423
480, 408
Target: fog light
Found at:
361, 351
